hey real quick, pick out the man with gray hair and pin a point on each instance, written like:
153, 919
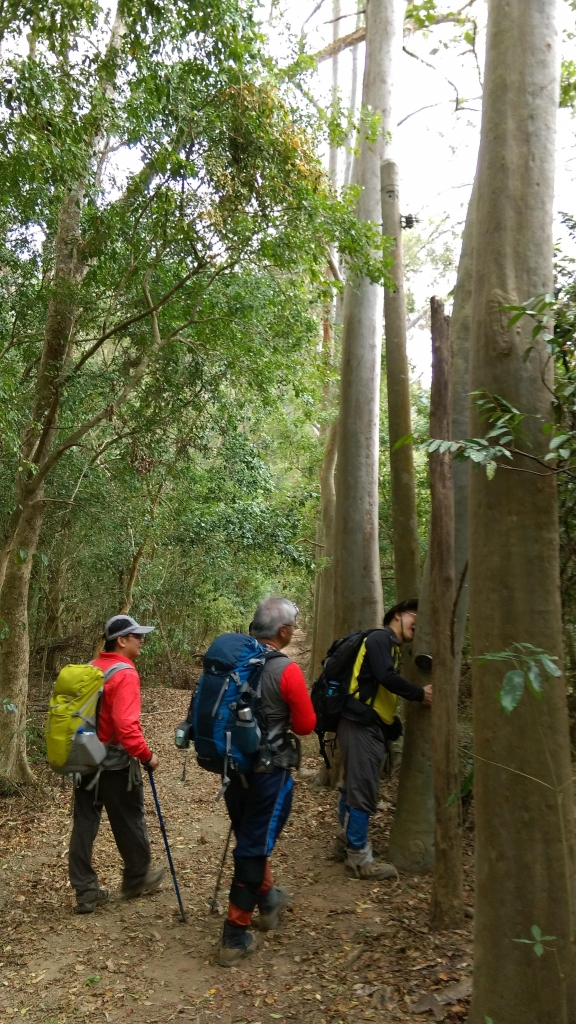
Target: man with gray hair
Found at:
259, 803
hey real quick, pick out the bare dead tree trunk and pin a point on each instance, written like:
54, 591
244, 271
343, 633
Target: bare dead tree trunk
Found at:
523, 794
447, 908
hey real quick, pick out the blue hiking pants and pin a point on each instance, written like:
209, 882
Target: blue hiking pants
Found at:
258, 813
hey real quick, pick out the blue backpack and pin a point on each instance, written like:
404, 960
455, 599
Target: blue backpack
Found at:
225, 719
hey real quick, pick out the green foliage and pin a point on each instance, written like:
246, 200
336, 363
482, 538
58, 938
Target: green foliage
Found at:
537, 940
528, 664
568, 84
186, 446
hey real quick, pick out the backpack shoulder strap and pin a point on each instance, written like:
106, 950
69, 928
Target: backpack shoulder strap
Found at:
270, 655
114, 669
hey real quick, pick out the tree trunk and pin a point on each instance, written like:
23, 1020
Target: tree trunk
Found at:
15, 648
411, 846
447, 909
324, 595
357, 580
403, 480
524, 828
460, 332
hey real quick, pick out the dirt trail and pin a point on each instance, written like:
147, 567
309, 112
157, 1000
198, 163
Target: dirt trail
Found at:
349, 950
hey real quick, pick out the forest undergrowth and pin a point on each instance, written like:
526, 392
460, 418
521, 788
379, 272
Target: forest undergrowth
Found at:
349, 950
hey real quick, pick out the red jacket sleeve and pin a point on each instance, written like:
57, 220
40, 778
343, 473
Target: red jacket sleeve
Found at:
294, 691
123, 698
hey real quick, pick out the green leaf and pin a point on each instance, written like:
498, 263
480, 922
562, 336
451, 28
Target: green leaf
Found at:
517, 316
558, 440
433, 445
535, 680
488, 1020
20, 556
536, 932
512, 689
491, 468
8, 707
550, 665
526, 353
538, 948
402, 441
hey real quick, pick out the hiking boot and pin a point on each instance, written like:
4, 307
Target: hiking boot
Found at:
149, 884
361, 864
271, 908
237, 943
87, 902
339, 849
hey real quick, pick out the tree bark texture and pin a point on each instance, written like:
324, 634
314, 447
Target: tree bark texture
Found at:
403, 479
446, 909
15, 649
460, 426
524, 828
411, 846
357, 580
324, 595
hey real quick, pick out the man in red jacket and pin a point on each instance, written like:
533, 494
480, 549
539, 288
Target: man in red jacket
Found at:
260, 802
117, 785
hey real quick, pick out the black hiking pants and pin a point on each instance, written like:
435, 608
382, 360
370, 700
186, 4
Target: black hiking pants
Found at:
125, 810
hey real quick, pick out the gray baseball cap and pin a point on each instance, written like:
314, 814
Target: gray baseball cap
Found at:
124, 625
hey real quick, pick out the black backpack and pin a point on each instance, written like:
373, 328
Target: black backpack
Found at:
330, 690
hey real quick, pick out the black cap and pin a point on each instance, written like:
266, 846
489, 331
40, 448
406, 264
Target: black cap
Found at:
411, 605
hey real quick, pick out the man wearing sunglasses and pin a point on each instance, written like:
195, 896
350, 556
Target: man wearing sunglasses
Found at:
117, 785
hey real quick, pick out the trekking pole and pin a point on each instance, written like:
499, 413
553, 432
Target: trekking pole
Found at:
165, 837
214, 900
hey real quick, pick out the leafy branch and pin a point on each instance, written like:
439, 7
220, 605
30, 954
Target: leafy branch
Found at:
528, 663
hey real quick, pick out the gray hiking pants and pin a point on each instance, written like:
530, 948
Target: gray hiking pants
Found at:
125, 810
363, 751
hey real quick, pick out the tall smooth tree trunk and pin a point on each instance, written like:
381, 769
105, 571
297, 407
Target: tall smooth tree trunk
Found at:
324, 595
447, 910
403, 478
323, 620
357, 579
460, 332
411, 845
524, 828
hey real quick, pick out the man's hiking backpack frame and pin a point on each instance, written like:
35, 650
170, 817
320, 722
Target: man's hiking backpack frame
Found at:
226, 721
72, 743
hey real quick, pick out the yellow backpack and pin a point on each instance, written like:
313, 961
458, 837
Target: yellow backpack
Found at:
72, 745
